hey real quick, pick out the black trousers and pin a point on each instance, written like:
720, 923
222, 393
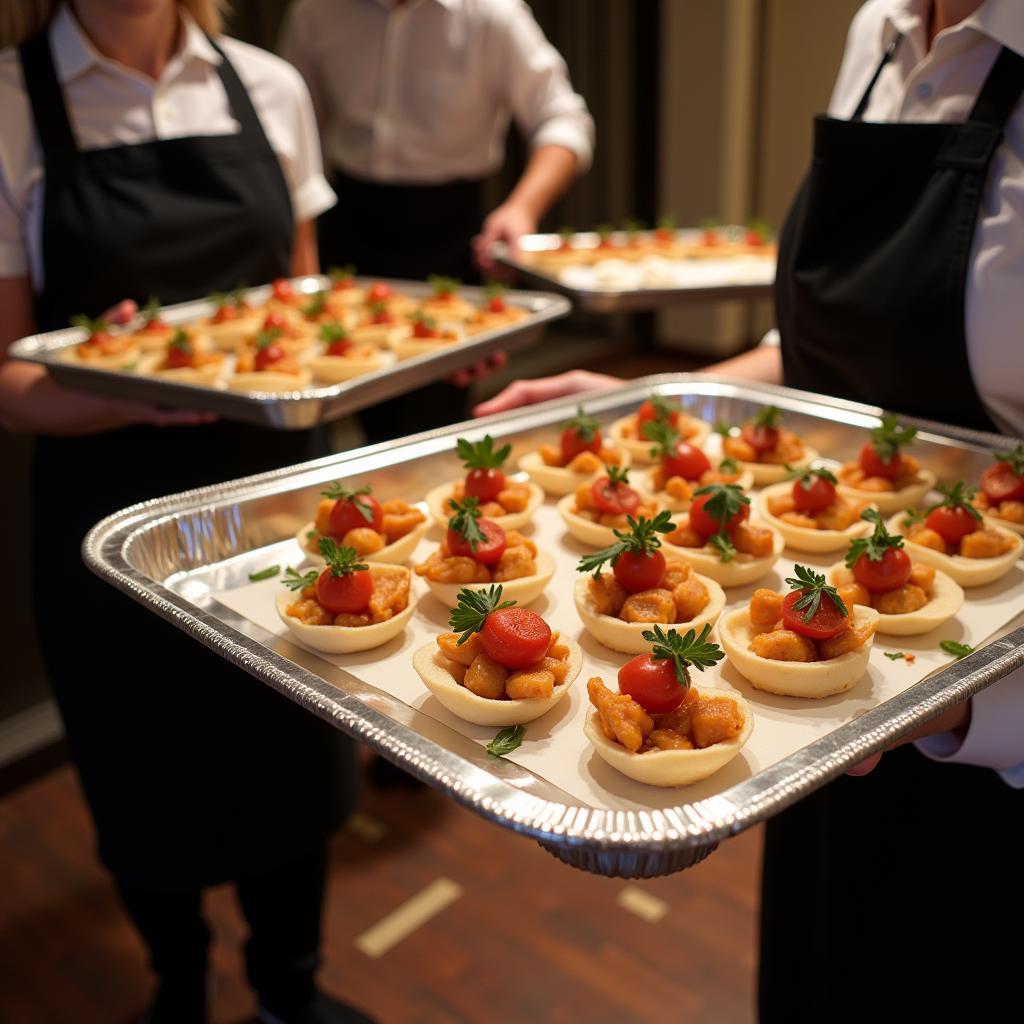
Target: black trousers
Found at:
283, 910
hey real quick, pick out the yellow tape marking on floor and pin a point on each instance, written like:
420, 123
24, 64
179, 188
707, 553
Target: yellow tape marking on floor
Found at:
404, 920
641, 903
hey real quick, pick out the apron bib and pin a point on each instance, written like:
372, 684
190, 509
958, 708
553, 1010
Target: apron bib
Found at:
873, 886
195, 773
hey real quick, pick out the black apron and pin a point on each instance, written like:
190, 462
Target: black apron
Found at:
195, 772
892, 893
406, 232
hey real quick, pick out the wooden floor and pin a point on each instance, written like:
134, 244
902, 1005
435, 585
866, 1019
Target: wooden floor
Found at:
528, 939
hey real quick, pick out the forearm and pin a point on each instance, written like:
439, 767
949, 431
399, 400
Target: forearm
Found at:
548, 175
763, 363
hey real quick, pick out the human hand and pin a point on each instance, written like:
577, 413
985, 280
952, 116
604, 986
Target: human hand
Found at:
479, 371
530, 392
506, 223
956, 720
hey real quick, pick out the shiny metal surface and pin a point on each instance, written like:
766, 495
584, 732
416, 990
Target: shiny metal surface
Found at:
306, 407
173, 553
632, 300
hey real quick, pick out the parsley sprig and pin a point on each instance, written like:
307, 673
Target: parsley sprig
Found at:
267, 337
315, 307
181, 341
151, 310
89, 325
685, 652
473, 608
421, 318
342, 275
507, 740
667, 222
728, 465
641, 537
889, 437
265, 574
295, 580
1014, 459
332, 331
958, 650
663, 434
586, 427
618, 476
494, 290
442, 286
769, 417
875, 546
723, 429
339, 492
957, 496
912, 517
725, 501
233, 298
482, 454
806, 475
465, 521
342, 561
813, 586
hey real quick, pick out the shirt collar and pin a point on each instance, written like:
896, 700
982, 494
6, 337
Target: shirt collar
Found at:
74, 54
1001, 20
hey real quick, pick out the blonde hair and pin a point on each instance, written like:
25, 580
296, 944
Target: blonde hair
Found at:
22, 19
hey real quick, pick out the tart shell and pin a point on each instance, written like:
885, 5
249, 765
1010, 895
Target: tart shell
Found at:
410, 347
793, 678
435, 671
744, 481
270, 382
626, 637
594, 535
671, 767
799, 538
396, 553
523, 591
888, 502
743, 569
766, 473
335, 369
558, 480
437, 507
641, 450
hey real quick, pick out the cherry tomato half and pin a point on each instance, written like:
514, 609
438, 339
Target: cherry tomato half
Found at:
178, 357
421, 329
616, 499
344, 595
951, 524
638, 571
573, 444
379, 292
339, 348
706, 524
346, 515
274, 321
282, 290
225, 313
485, 484
515, 637
1000, 483
382, 316
647, 412
653, 685
267, 356
687, 461
828, 621
496, 304
891, 572
760, 438
818, 494
488, 551
874, 465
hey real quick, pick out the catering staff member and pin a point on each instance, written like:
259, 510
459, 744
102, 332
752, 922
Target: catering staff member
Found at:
899, 284
414, 100
143, 153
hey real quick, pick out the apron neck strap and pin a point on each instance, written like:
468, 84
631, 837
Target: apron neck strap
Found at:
890, 51
1002, 90
238, 96
49, 112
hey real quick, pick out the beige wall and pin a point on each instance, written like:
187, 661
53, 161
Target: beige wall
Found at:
741, 82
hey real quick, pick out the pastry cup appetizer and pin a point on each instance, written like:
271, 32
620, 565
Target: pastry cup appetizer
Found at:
659, 729
766, 448
718, 539
806, 643
445, 303
882, 474
377, 531
810, 514
502, 665
509, 503
954, 537
597, 509
350, 605
342, 359
101, 349
266, 366
233, 321
344, 295
618, 607
1001, 495
683, 468
580, 455
380, 326
476, 552
155, 332
631, 432
494, 312
186, 360
427, 336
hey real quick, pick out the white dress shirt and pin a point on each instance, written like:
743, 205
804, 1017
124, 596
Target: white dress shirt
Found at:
109, 104
423, 91
942, 86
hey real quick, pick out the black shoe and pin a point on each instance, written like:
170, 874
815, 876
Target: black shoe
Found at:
323, 1010
386, 775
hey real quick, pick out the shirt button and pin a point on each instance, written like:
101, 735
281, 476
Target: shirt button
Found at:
924, 91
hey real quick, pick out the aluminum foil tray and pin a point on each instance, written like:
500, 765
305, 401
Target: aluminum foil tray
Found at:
303, 408
174, 554
718, 280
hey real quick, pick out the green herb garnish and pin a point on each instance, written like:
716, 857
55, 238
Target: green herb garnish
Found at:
1014, 459
443, 286
723, 544
722, 428
506, 741
265, 574
332, 331
473, 608
894, 655
663, 434
725, 501
683, 651
465, 521
958, 650
912, 517
151, 310
267, 337
728, 465
666, 222
339, 492
806, 475
889, 437
769, 417
641, 538
294, 580
316, 306
181, 341
813, 585
481, 455
90, 326
586, 427
342, 275
340, 560
875, 546
957, 496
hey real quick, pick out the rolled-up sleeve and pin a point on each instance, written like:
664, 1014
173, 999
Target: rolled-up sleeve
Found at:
995, 738
534, 80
